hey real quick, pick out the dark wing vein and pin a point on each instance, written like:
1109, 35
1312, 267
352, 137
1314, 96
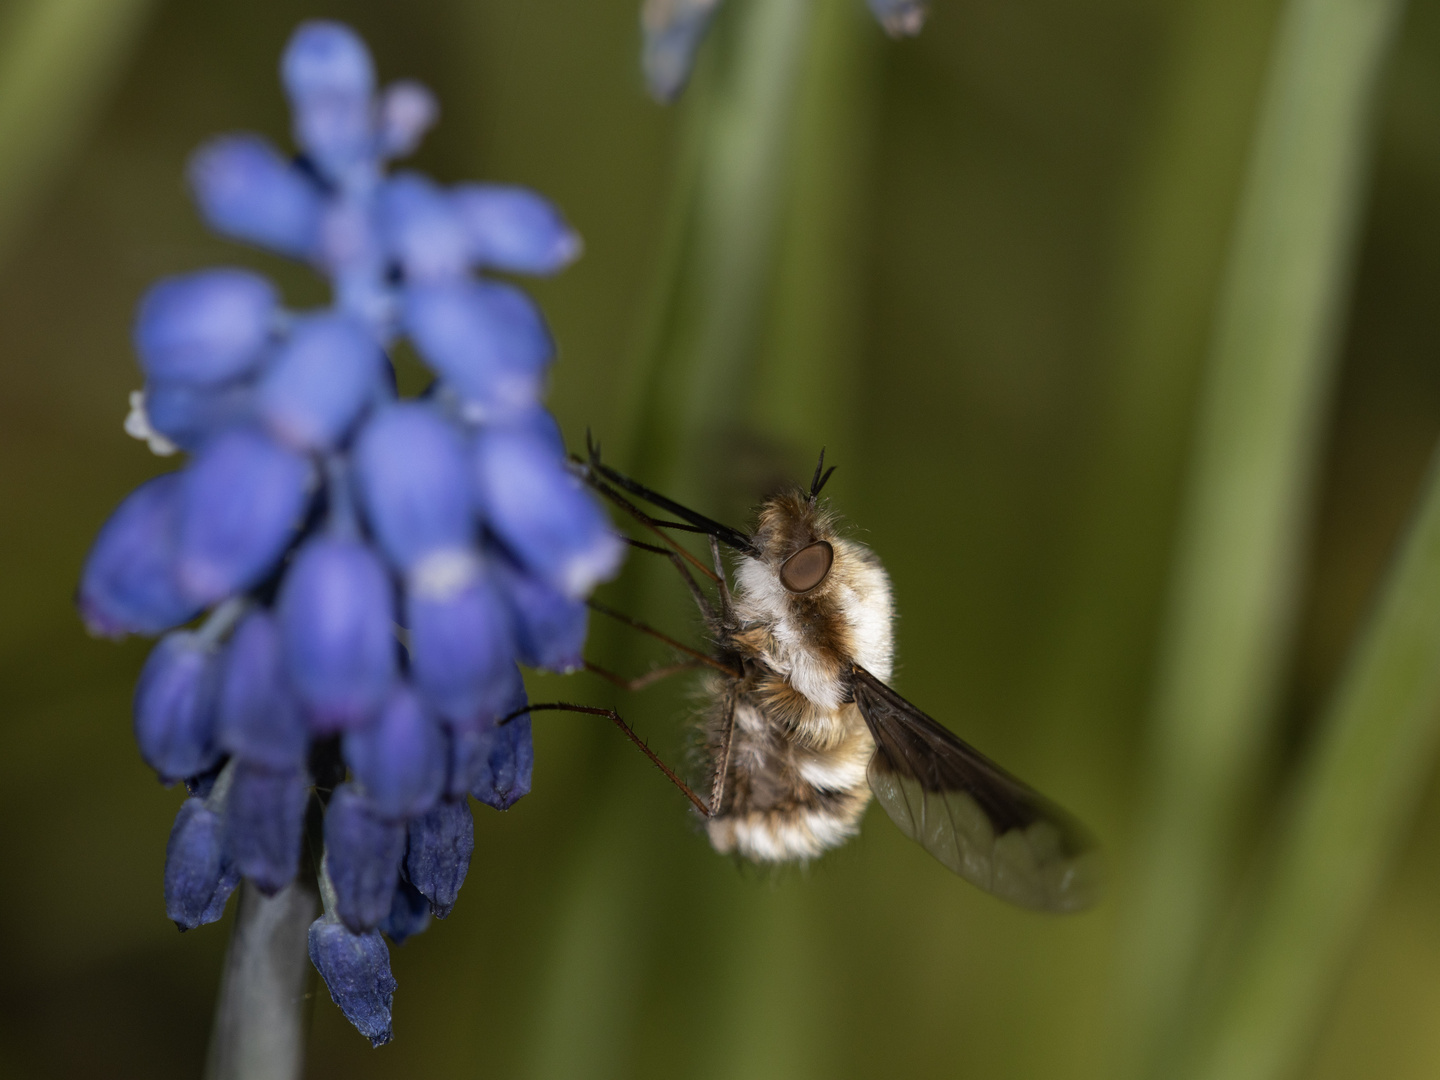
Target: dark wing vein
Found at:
977, 819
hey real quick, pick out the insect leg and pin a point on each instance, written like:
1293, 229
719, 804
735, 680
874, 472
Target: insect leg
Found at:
722, 760
614, 717
720, 576
641, 681
701, 600
696, 654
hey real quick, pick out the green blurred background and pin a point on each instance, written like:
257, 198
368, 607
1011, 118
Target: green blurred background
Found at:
995, 267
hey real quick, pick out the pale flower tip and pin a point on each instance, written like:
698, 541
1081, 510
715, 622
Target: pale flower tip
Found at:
137, 426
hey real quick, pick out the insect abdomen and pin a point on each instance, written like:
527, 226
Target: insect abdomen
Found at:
789, 794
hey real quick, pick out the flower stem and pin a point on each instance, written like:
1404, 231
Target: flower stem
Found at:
732, 175
260, 1021
1256, 446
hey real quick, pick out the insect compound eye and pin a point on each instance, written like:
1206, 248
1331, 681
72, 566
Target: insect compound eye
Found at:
805, 569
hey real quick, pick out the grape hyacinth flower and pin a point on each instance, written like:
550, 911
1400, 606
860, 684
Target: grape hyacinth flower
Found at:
373, 568
674, 30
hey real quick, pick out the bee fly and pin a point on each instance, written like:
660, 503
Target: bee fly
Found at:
803, 727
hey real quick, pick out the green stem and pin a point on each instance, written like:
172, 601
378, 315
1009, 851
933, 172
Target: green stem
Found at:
1256, 446
686, 387
1356, 790
259, 1031
695, 393
58, 59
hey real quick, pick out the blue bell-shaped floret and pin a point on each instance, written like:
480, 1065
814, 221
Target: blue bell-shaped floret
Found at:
175, 705
414, 482
247, 190
356, 970
514, 229
399, 758
240, 502
319, 381
485, 339
407, 111
542, 512
188, 414
438, 855
423, 233
260, 720
472, 744
461, 648
205, 328
264, 823
409, 914
330, 80
337, 617
504, 760
129, 584
549, 627
362, 856
199, 878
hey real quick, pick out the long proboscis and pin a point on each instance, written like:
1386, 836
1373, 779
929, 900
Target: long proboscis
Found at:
734, 538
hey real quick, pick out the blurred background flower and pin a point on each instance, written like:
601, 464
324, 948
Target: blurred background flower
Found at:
989, 292
674, 30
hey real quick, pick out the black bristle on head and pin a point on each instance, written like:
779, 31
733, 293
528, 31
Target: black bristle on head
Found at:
822, 476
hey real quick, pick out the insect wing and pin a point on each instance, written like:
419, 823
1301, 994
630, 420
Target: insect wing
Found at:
974, 817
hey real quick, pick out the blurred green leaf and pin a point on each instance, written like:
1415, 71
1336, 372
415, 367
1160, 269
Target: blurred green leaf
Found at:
1252, 474
1356, 792
59, 60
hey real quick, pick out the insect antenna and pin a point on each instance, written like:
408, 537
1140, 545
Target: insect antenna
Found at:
614, 717
724, 533
819, 480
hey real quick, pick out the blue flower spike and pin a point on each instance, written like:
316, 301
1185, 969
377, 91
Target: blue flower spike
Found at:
367, 570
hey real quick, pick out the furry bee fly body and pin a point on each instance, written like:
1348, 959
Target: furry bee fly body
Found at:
803, 726
787, 746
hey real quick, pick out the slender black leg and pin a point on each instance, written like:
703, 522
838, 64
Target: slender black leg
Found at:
614, 717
